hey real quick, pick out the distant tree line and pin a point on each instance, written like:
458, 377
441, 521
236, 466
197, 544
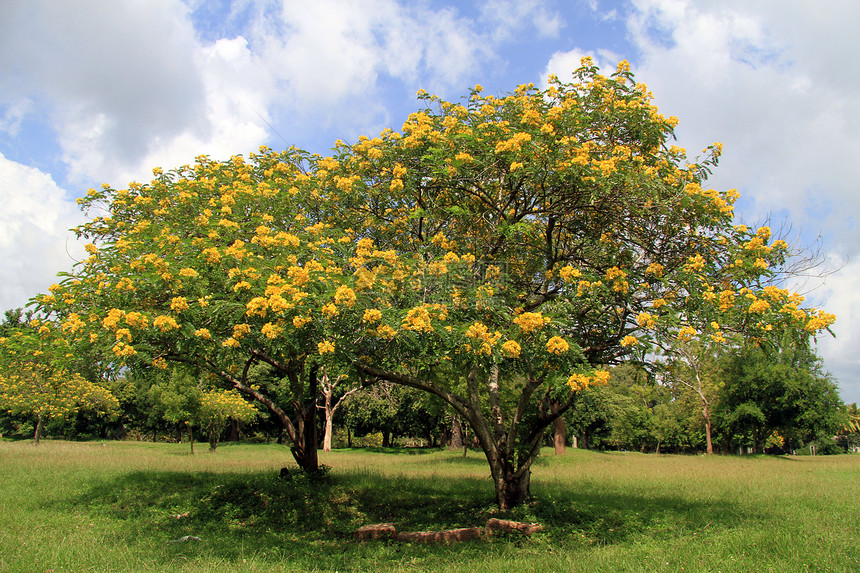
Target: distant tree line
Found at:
771, 400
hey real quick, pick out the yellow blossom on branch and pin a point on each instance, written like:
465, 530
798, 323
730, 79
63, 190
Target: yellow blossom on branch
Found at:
557, 345
165, 323
371, 315
511, 348
629, 341
531, 321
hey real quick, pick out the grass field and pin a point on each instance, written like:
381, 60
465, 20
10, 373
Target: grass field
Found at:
121, 506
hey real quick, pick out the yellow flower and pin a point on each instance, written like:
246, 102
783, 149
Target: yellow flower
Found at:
271, 330
203, 333
417, 320
385, 331
329, 310
371, 315
646, 320
123, 350
298, 275
325, 347
655, 269
686, 333
629, 341
557, 345
344, 296
511, 348
531, 321
165, 323
759, 305
569, 273
582, 381
178, 304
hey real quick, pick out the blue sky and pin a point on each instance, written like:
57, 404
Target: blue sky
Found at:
102, 91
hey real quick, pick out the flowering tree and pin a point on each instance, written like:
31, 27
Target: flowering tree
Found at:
217, 406
36, 377
496, 253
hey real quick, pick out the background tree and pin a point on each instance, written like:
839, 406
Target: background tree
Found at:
780, 389
695, 369
219, 406
394, 411
334, 391
35, 380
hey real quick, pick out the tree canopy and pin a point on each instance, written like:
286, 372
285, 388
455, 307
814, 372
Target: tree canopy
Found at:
497, 252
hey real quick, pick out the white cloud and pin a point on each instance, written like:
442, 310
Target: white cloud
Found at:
738, 73
563, 64
508, 18
34, 240
331, 57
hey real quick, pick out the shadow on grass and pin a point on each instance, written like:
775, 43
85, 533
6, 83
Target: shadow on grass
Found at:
310, 521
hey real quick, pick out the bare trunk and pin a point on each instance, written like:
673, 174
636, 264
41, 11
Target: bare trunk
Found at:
310, 441
559, 431
305, 447
329, 425
710, 444
511, 484
331, 405
40, 423
190, 437
457, 440
213, 439
327, 391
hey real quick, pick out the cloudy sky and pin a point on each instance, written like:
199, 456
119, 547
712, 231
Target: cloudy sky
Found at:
100, 91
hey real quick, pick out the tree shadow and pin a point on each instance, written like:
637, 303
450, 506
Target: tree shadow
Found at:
313, 520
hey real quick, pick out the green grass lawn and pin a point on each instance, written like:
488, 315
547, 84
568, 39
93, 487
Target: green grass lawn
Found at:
121, 506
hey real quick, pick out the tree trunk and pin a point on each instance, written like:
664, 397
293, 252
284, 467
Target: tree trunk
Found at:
559, 431
457, 440
708, 439
310, 441
329, 424
190, 436
510, 443
40, 423
386, 439
512, 486
234, 431
213, 439
513, 490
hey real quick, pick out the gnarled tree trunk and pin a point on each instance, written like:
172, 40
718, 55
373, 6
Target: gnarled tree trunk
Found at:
509, 443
